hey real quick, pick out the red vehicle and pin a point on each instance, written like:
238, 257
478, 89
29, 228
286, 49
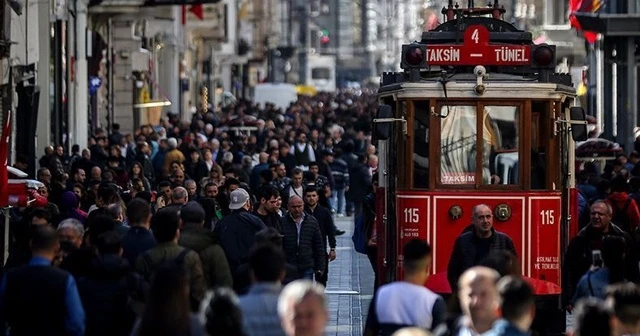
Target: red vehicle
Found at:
478, 115
18, 192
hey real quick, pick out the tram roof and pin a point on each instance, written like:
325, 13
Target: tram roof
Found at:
498, 86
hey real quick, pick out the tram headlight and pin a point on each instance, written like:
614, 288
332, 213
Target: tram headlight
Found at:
543, 56
502, 212
414, 56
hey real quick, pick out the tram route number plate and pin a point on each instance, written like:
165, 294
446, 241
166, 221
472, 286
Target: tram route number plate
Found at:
476, 50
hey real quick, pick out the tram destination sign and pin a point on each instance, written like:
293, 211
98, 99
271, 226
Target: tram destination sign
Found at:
178, 2
476, 50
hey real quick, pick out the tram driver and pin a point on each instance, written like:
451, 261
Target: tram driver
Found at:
474, 245
459, 145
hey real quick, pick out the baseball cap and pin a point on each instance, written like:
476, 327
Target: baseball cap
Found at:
238, 199
192, 212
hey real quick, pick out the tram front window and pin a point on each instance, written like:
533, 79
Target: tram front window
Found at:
500, 148
459, 147
458, 133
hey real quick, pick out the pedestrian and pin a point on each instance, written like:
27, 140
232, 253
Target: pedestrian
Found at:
474, 245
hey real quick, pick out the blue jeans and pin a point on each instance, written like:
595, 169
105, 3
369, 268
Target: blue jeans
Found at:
307, 274
338, 202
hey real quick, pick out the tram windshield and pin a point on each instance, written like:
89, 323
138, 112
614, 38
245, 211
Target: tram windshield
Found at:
491, 130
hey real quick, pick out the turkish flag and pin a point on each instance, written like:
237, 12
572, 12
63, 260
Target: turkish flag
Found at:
4, 154
585, 6
198, 11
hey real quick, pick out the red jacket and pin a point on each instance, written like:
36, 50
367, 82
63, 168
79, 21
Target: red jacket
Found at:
617, 201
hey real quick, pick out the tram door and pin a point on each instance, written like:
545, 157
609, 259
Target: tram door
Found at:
420, 145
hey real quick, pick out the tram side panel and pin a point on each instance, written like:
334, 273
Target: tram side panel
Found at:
532, 221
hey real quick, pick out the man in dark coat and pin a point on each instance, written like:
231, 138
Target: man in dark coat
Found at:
361, 182
302, 241
104, 291
238, 229
578, 258
194, 236
325, 222
471, 247
139, 238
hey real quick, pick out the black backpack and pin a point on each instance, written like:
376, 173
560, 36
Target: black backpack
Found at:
177, 261
138, 286
620, 217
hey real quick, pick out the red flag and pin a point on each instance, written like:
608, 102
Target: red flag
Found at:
585, 6
198, 11
4, 156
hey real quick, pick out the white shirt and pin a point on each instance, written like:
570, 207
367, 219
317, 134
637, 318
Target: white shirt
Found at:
404, 303
296, 191
466, 330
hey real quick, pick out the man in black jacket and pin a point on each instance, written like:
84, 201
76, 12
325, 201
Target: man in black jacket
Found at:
104, 292
238, 229
302, 241
361, 182
268, 208
578, 258
325, 222
471, 247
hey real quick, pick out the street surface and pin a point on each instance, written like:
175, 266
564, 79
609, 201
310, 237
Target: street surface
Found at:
350, 286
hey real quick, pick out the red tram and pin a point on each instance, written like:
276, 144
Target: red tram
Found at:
478, 115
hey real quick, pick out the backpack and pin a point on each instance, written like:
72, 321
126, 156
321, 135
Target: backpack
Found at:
178, 261
359, 236
620, 217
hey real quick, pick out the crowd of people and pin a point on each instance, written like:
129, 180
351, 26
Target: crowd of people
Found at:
192, 227
225, 225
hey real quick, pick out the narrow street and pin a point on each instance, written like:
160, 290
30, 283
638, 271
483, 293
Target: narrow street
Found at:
350, 286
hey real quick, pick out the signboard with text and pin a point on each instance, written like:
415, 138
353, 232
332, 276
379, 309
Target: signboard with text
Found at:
413, 222
545, 221
476, 50
178, 2
458, 178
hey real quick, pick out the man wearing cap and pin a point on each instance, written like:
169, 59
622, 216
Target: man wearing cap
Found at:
238, 229
195, 237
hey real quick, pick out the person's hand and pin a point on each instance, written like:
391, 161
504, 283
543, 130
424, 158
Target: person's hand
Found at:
332, 255
569, 308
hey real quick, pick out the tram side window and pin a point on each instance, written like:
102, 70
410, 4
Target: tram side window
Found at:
421, 145
458, 134
500, 144
539, 138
